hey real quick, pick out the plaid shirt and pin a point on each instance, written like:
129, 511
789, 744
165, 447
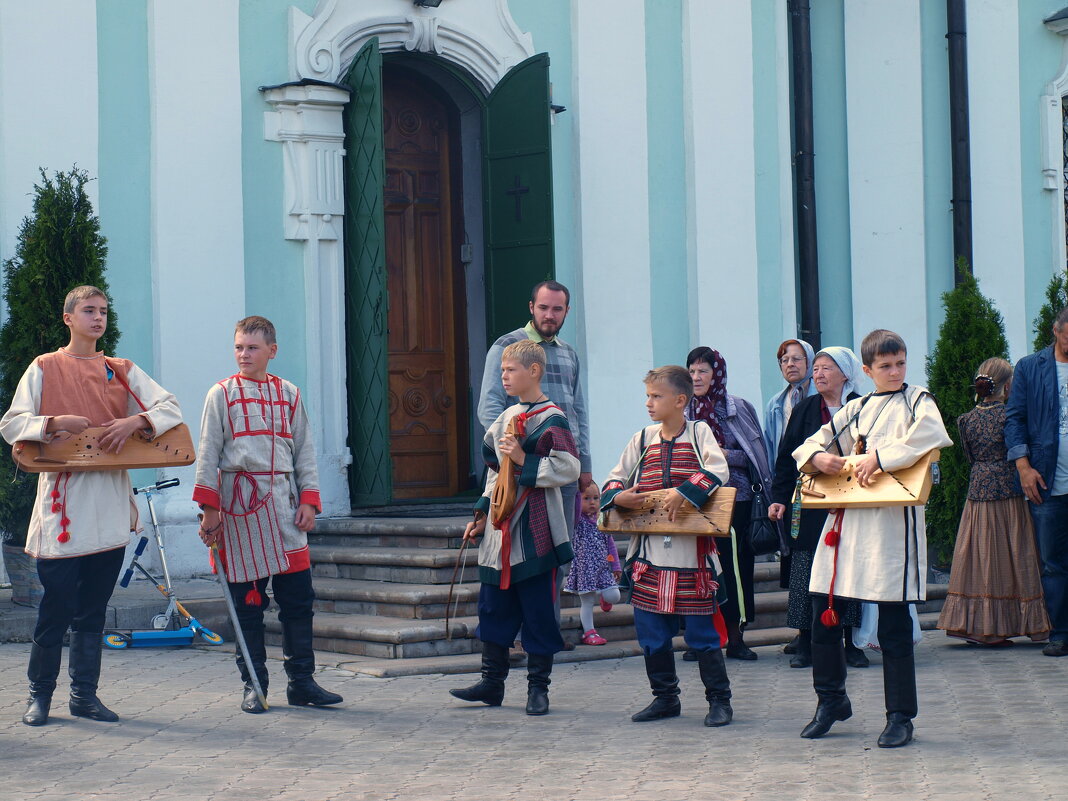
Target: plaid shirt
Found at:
561, 384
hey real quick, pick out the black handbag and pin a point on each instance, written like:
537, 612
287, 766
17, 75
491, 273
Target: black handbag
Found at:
763, 531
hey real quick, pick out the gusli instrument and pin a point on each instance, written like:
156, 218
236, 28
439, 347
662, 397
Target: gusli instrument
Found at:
711, 520
909, 486
77, 452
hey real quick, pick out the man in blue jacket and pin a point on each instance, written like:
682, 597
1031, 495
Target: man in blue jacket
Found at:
1036, 433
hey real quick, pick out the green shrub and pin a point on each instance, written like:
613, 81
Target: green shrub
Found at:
971, 332
59, 247
1056, 299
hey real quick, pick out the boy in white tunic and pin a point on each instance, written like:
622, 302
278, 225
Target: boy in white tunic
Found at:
81, 521
877, 554
258, 485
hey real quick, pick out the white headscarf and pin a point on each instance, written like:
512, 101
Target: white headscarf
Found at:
848, 363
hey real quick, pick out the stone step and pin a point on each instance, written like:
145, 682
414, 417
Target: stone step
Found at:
391, 532
377, 563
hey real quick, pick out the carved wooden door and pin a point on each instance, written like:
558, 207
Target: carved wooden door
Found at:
427, 401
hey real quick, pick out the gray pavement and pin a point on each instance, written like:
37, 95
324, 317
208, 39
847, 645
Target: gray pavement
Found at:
993, 725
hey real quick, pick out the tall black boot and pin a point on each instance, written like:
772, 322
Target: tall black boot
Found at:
803, 652
299, 663
490, 690
899, 690
713, 671
84, 669
42, 673
828, 679
257, 652
665, 685
539, 666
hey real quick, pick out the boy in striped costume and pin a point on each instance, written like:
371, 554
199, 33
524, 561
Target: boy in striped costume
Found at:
258, 485
673, 576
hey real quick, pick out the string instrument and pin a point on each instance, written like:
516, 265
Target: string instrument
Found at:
74, 453
502, 502
909, 486
711, 520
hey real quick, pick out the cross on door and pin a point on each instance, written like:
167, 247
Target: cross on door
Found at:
517, 192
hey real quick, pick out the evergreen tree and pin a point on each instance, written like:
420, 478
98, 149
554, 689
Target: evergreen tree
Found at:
971, 333
1056, 299
59, 247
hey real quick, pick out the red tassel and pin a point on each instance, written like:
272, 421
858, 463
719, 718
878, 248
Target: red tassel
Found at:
55, 508
253, 597
829, 618
832, 538
64, 536
55, 493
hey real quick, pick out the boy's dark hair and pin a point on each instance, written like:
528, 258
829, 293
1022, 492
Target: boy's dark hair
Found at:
80, 293
553, 286
880, 342
675, 377
257, 325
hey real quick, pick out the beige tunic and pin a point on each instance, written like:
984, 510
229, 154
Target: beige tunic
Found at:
882, 553
98, 504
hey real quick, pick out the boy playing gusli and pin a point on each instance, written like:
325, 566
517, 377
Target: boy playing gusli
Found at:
519, 556
81, 521
258, 485
875, 554
673, 577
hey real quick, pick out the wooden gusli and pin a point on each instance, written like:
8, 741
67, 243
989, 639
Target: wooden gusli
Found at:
711, 520
909, 486
78, 452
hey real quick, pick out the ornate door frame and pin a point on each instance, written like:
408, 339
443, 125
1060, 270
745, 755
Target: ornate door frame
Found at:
478, 35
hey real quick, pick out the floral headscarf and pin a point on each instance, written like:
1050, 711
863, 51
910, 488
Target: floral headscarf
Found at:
704, 407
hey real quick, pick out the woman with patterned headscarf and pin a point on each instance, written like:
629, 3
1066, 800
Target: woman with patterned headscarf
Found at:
736, 425
795, 357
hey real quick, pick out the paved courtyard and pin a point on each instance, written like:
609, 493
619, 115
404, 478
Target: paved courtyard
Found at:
993, 725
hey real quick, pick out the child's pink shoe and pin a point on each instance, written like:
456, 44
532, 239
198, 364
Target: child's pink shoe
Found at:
605, 606
591, 637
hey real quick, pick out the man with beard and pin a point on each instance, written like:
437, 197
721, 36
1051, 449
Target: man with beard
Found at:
549, 304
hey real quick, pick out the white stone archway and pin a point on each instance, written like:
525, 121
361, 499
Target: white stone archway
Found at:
478, 35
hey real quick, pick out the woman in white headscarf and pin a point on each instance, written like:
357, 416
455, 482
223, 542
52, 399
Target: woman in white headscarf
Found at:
834, 377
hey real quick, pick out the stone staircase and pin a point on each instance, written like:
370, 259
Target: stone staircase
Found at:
382, 586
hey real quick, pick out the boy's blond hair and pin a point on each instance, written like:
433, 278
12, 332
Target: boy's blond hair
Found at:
674, 377
80, 293
880, 342
525, 352
257, 325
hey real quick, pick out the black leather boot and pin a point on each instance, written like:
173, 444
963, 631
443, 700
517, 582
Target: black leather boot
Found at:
257, 652
539, 666
490, 689
803, 651
902, 705
299, 663
828, 679
713, 671
84, 669
665, 685
42, 673
898, 731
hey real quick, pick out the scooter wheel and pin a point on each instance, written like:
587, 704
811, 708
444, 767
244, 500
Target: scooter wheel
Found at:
113, 640
211, 637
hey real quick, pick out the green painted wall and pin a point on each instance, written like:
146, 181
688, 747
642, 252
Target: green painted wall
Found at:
667, 180
124, 153
274, 266
937, 163
1040, 60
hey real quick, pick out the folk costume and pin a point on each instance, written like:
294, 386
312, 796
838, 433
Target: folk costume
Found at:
877, 555
518, 557
81, 521
675, 577
256, 465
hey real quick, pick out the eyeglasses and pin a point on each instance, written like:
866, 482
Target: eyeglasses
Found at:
792, 360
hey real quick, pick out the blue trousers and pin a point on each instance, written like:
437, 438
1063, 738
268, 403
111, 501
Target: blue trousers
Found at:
1051, 531
655, 631
527, 604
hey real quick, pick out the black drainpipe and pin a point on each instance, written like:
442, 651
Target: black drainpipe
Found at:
956, 25
804, 172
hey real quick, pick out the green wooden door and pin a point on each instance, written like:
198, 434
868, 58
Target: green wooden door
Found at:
518, 187
366, 302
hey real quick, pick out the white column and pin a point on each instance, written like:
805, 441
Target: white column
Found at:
612, 192
884, 115
48, 102
198, 269
718, 97
308, 123
997, 211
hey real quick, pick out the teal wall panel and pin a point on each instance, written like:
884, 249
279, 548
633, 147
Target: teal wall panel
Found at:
667, 181
124, 153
